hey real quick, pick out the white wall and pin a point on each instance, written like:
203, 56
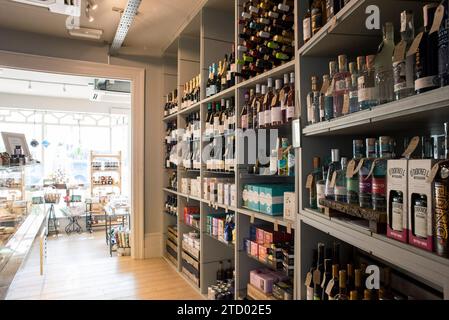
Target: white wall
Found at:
18, 41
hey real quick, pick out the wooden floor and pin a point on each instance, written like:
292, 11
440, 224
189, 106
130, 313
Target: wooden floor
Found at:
79, 267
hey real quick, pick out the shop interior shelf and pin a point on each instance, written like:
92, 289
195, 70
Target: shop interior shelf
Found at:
171, 117
272, 219
430, 268
347, 28
414, 111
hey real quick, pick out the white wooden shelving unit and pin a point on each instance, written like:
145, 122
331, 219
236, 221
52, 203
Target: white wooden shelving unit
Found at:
206, 39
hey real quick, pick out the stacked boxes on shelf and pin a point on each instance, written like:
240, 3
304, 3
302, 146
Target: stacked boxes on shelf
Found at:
265, 282
191, 256
266, 198
221, 191
274, 248
171, 244
192, 216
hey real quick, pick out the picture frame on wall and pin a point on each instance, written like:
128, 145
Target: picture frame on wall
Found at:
11, 140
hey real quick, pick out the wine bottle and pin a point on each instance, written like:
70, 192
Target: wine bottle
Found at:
276, 109
333, 167
319, 273
383, 66
342, 292
443, 47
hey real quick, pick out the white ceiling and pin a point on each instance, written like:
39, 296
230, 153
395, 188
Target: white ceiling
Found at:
154, 28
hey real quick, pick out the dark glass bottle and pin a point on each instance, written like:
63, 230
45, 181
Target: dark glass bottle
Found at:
336, 288
397, 210
317, 175
343, 292
310, 286
319, 273
443, 47
426, 68
326, 278
419, 216
352, 183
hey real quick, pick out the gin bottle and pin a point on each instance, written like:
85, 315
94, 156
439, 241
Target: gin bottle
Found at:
383, 65
335, 165
340, 88
329, 95
317, 175
352, 183
313, 100
404, 78
366, 181
351, 83
340, 184
368, 92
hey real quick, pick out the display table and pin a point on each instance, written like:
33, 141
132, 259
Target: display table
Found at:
115, 216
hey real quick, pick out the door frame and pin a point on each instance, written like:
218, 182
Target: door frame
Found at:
93, 69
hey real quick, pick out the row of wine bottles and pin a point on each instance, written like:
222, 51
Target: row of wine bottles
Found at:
171, 104
268, 107
413, 66
191, 93
267, 36
329, 279
319, 12
222, 77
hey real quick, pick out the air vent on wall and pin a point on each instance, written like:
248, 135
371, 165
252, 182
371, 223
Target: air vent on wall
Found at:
111, 91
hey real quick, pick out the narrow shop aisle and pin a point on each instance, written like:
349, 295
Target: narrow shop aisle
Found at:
79, 267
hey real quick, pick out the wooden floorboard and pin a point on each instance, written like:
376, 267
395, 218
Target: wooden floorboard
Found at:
79, 267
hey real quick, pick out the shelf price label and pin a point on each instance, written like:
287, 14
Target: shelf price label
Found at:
439, 15
276, 226
289, 228
411, 147
252, 218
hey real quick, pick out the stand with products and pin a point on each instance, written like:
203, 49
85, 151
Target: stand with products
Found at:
355, 175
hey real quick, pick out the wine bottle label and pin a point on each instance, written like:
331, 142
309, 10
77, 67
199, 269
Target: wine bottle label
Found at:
426, 82
283, 7
267, 117
276, 114
261, 117
244, 122
397, 212
354, 94
290, 112
320, 192
309, 293
254, 9
273, 15
264, 21
264, 34
246, 15
307, 29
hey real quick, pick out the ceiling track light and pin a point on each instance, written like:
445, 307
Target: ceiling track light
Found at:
92, 4
88, 15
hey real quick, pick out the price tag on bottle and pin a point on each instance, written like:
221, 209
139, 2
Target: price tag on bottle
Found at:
289, 228
226, 209
350, 169
333, 180
283, 97
276, 226
252, 218
345, 109
329, 287
415, 45
399, 51
317, 276
359, 166
325, 87
411, 147
438, 19
274, 101
309, 278
309, 181
371, 171
433, 173
333, 24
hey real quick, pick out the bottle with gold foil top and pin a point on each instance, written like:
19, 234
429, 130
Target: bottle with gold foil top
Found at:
353, 295
367, 295
342, 293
